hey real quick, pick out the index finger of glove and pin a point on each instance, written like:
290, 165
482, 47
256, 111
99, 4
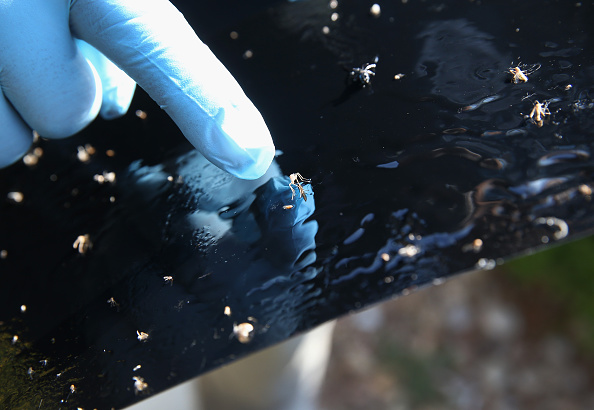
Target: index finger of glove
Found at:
153, 43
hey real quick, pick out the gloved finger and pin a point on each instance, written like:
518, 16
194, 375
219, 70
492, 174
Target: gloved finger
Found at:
15, 135
42, 73
153, 43
118, 87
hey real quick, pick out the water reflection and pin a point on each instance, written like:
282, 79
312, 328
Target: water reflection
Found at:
187, 255
462, 62
234, 237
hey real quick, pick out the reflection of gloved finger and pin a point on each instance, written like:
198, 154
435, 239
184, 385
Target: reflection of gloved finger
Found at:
285, 234
43, 75
153, 43
15, 136
118, 87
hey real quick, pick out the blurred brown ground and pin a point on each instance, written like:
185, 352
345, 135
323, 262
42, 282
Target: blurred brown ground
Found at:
475, 342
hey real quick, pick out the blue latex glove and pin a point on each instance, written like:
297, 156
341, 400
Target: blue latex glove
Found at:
49, 85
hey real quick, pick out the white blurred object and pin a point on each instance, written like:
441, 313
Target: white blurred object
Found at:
287, 376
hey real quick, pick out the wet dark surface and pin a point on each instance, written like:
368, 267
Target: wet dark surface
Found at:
413, 180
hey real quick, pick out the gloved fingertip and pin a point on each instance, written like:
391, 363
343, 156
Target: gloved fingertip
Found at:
118, 91
111, 113
114, 104
254, 163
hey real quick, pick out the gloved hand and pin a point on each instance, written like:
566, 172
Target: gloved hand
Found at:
48, 85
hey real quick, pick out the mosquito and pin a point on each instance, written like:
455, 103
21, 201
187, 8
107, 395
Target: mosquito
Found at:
521, 72
538, 113
297, 179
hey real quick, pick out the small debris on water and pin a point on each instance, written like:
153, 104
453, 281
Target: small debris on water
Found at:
475, 246
16, 197
486, 264
82, 243
244, 332
105, 177
584, 190
30, 160
409, 250
375, 10
139, 384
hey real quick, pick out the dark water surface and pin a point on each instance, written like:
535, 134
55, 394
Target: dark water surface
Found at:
413, 180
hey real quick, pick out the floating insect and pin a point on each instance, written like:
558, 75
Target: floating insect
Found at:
538, 113
244, 332
16, 197
297, 179
585, 190
105, 177
521, 72
142, 336
84, 153
82, 243
139, 384
363, 74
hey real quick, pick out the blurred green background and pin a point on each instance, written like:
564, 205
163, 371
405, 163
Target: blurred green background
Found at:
520, 336
563, 276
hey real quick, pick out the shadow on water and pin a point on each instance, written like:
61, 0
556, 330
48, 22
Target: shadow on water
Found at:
433, 168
